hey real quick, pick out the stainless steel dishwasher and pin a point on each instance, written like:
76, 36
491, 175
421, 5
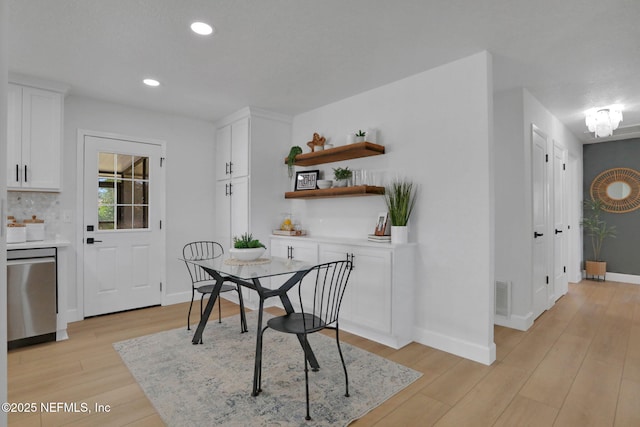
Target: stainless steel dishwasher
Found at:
31, 296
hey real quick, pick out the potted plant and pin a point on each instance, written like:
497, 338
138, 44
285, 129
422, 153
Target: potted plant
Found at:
246, 248
360, 135
400, 197
291, 158
597, 230
342, 176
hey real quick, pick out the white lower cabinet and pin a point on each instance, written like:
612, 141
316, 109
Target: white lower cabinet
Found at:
299, 250
378, 301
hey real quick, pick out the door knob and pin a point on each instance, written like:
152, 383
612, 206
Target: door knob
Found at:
558, 231
536, 234
91, 241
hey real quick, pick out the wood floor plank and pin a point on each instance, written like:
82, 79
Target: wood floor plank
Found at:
488, 399
611, 341
523, 412
419, 410
552, 379
452, 385
593, 396
627, 413
632, 369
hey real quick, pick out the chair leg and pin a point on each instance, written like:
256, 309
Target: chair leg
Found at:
346, 376
306, 377
243, 316
219, 309
260, 360
193, 294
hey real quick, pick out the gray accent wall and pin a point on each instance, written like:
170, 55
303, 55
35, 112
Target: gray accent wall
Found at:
622, 253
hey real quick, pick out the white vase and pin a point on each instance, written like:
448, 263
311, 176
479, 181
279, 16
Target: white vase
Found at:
399, 234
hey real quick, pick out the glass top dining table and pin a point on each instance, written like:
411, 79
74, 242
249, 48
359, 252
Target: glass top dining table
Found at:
224, 269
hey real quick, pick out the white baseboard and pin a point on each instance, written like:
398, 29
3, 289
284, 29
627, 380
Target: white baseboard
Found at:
619, 277
478, 353
521, 323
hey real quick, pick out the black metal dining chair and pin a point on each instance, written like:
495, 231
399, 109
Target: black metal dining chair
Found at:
319, 310
203, 283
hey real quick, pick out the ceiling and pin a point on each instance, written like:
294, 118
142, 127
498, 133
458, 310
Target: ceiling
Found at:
293, 56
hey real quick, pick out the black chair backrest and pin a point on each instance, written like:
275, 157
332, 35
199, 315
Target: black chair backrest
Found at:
329, 282
200, 251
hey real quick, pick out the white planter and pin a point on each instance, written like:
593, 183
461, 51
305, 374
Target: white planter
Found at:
360, 138
246, 254
399, 234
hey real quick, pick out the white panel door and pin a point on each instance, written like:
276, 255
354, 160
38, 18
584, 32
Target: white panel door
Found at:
240, 148
41, 133
123, 188
239, 192
560, 232
540, 236
223, 214
14, 136
223, 153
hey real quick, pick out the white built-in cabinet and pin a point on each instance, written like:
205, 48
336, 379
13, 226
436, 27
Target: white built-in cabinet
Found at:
34, 136
249, 178
248, 191
378, 301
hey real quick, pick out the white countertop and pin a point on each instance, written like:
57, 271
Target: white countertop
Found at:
52, 243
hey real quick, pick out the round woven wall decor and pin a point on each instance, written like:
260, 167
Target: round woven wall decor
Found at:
618, 188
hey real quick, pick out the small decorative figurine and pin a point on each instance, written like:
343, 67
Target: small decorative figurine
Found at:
317, 141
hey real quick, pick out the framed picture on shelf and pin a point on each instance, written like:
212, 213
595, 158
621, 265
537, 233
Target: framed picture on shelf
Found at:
306, 180
382, 223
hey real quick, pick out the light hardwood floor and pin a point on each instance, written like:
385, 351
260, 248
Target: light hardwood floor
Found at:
579, 365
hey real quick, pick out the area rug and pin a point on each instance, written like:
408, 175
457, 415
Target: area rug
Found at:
210, 384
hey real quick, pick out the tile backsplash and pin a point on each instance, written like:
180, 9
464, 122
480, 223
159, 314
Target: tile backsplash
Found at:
23, 205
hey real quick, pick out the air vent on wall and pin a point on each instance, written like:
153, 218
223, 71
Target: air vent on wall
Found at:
503, 299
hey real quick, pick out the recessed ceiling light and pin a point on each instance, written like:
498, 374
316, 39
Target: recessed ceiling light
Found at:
201, 28
151, 82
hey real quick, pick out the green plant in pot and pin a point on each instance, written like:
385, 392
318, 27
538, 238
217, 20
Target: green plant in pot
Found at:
342, 176
400, 197
360, 135
291, 159
597, 230
246, 248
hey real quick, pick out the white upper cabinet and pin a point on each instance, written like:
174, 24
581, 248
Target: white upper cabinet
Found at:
34, 139
232, 150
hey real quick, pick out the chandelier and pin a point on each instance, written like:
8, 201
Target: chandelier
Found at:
603, 121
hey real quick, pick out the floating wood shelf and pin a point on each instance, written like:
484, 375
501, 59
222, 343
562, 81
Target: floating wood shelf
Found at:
358, 190
336, 154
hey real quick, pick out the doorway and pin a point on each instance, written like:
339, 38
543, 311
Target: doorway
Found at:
122, 203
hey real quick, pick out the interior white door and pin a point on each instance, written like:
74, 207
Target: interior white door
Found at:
560, 232
539, 175
123, 249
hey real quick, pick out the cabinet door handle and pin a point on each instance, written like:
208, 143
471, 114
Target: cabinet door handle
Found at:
536, 234
25, 173
230, 168
230, 189
17, 173
226, 168
558, 231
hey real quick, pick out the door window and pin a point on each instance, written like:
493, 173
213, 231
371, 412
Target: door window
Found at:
123, 191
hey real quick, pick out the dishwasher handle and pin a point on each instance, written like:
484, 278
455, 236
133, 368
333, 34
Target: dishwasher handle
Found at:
30, 261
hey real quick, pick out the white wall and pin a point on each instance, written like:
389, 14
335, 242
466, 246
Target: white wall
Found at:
515, 112
4, 78
189, 178
437, 130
